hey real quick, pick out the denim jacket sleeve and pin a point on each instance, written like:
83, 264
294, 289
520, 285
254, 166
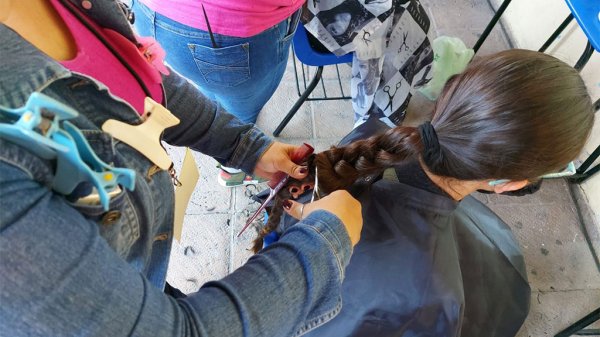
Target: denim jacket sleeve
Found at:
58, 277
206, 127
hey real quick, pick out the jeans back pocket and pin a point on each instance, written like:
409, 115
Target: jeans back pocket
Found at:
290, 26
228, 66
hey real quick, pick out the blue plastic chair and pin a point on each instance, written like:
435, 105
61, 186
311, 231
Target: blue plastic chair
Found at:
587, 15
311, 53
308, 53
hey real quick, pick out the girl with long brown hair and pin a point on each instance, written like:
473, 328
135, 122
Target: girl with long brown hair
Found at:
432, 260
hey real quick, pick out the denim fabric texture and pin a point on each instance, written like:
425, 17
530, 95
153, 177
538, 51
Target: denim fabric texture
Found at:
67, 270
240, 73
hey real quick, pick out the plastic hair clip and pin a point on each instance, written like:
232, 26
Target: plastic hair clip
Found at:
35, 123
81, 164
498, 182
108, 176
38, 102
146, 137
568, 171
36, 127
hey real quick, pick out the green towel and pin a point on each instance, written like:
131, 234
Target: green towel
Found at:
450, 57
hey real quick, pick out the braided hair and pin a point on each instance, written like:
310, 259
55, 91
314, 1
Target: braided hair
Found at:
340, 167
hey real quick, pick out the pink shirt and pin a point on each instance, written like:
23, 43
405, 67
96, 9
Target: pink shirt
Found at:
239, 18
94, 59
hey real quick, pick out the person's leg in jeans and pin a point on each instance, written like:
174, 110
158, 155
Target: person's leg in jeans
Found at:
240, 73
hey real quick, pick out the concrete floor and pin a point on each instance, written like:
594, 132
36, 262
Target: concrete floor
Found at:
563, 273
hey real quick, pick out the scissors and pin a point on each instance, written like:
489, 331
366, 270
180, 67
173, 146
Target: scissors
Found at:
276, 184
404, 36
386, 89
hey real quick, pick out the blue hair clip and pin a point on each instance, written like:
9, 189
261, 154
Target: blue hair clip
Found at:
37, 128
81, 164
35, 123
37, 102
498, 182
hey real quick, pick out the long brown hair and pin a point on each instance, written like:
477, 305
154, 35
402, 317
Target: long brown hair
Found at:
516, 115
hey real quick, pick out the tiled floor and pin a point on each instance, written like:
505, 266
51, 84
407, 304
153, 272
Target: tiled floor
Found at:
563, 274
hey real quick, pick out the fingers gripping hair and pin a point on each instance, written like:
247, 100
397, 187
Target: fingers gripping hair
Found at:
340, 167
277, 208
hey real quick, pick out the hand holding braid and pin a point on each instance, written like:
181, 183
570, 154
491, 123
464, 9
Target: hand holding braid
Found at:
340, 167
277, 208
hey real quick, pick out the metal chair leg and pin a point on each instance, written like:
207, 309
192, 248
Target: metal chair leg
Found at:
299, 102
582, 174
587, 53
585, 57
580, 324
491, 25
557, 32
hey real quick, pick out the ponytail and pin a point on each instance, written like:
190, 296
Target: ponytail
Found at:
515, 115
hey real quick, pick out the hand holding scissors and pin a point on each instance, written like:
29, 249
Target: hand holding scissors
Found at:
279, 180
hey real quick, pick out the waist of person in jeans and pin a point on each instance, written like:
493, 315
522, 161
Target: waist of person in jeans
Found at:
226, 17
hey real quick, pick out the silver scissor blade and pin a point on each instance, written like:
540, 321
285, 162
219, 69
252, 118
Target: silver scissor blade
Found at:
260, 209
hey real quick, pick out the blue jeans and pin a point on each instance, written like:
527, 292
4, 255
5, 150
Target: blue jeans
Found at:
75, 270
241, 73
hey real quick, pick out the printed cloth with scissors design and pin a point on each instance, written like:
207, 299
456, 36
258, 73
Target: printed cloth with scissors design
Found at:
392, 52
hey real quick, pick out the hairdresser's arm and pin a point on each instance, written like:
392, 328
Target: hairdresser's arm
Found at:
58, 277
206, 127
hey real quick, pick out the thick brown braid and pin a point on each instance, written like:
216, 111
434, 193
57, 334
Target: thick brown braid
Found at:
340, 167
277, 208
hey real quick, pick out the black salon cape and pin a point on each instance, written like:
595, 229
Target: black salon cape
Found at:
428, 266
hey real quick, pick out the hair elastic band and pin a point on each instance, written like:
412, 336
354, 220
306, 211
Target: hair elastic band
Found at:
432, 152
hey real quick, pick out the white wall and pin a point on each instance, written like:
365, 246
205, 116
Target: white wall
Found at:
529, 23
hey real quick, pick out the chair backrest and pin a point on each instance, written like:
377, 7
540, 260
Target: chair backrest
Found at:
308, 54
587, 14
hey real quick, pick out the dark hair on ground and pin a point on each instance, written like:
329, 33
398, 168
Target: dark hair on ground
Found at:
515, 115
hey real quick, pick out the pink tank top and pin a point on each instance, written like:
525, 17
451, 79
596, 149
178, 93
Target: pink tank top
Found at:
240, 18
94, 59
